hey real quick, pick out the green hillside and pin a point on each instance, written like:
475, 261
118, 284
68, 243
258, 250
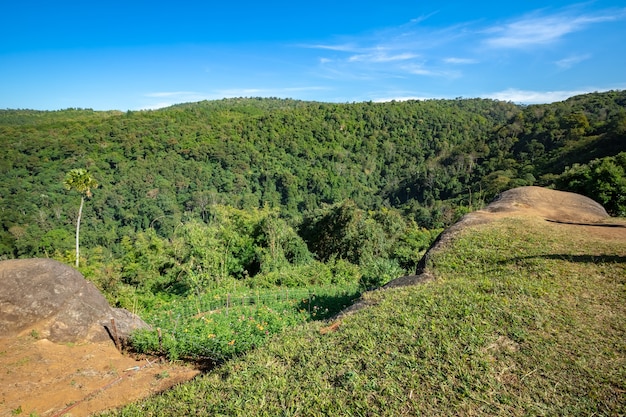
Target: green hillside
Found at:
267, 191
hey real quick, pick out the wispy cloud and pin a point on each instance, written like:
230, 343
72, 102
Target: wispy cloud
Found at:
381, 56
391, 52
419, 69
332, 47
460, 61
570, 61
537, 29
404, 61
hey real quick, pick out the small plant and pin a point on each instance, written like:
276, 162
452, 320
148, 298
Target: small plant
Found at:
163, 375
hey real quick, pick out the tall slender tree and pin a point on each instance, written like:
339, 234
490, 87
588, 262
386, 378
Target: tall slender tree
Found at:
80, 180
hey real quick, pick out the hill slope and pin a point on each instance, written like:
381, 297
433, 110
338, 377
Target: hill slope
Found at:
430, 159
525, 317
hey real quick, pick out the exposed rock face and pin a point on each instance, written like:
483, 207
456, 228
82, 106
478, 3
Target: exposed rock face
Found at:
56, 301
552, 205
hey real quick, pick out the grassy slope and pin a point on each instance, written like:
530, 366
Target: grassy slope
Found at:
525, 318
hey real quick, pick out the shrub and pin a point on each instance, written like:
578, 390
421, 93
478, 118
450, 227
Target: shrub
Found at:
379, 271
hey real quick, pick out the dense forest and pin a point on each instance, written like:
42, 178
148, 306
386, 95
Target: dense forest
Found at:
286, 192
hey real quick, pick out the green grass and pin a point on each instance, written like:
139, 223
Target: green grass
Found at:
525, 318
219, 325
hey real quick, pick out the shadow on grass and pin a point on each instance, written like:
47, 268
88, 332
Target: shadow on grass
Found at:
594, 259
323, 307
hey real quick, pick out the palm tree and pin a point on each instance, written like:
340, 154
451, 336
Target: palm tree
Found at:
80, 180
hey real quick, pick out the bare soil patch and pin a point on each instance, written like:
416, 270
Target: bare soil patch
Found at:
39, 377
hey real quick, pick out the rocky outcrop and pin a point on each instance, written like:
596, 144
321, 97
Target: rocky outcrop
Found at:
551, 205
57, 302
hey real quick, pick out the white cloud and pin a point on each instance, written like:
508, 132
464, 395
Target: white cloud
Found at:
379, 56
419, 69
534, 97
460, 61
391, 52
570, 61
540, 30
340, 48
412, 49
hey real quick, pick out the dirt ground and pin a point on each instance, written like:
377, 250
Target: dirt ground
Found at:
41, 378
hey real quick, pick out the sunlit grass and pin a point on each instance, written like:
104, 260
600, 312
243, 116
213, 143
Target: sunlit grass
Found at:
525, 318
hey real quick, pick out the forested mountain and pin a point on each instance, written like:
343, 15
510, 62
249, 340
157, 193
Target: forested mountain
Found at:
237, 160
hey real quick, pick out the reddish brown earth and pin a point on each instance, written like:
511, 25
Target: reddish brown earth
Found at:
39, 377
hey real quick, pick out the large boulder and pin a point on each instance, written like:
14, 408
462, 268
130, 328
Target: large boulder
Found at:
551, 205
57, 302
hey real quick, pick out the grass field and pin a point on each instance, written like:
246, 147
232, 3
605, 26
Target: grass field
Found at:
525, 318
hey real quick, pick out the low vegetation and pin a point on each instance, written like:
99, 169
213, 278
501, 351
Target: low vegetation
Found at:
214, 327
525, 318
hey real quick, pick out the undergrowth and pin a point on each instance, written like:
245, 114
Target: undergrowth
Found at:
217, 326
524, 318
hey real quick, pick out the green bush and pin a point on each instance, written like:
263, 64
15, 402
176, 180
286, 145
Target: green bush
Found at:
315, 273
603, 180
379, 271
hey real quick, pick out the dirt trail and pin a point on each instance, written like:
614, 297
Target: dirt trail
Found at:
46, 379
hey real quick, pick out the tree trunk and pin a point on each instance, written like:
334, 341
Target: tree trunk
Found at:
80, 213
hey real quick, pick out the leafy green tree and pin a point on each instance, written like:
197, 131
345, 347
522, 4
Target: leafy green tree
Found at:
603, 180
80, 180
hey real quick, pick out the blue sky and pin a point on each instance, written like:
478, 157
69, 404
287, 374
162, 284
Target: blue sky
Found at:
131, 55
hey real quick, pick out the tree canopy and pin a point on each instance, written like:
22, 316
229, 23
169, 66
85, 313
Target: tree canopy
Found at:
319, 168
